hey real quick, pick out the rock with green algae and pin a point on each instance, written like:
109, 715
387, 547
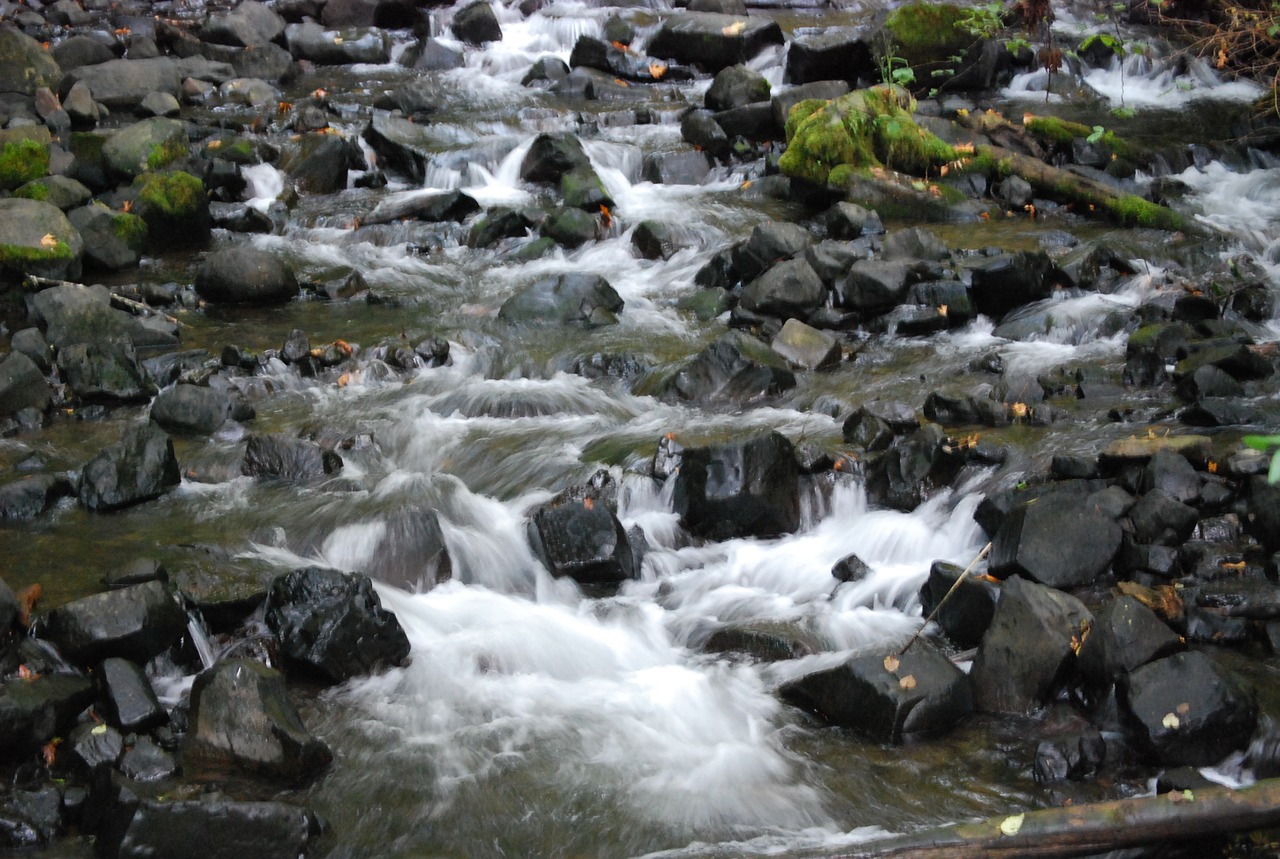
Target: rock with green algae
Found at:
928, 36
36, 238
175, 208
150, 145
25, 64
61, 191
113, 240
866, 129
22, 161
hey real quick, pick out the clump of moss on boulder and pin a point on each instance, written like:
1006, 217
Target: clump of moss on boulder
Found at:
174, 206
928, 36
865, 129
22, 161
36, 238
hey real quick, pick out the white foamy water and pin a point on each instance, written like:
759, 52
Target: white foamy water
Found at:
264, 184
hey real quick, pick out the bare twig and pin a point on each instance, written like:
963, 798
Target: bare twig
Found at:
947, 596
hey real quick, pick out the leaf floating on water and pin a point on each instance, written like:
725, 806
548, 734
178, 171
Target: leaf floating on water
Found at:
908, 682
891, 663
734, 29
1011, 825
1171, 721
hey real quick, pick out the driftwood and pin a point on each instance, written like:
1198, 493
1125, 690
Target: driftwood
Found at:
1086, 829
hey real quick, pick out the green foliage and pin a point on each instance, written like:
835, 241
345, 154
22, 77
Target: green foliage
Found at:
171, 194
21, 161
23, 257
985, 21
130, 229
1134, 211
164, 154
1266, 443
33, 191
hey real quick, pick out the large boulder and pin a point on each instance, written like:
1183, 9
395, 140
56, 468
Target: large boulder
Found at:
968, 609
806, 347
33, 712
140, 467
914, 467
224, 829
135, 623
318, 163
889, 698
25, 64
769, 243
130, 702
550, 156
1029, 648
242, 722
36, 238
149, 145
736, 86
1185, 711
245, 275
22, 385
1007, 281
735, 369
112, 240
1125, 636
582, 540
476, 24
28, 497
832, 53
121, 85
713, 41
71, 313
175, 207
105, 372
412, 554
191, 409
743, 489
310, 41
787, 290
250, 23
1059, 540
332, 625
402, 145
284, 457
577, 298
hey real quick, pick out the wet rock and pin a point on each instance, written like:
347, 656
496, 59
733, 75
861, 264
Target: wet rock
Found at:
1027, 652
1007, 281
1160, 518
424, 206
134, 623
223, 829
759, 645
736, 86
832, 53
967, 613
144, 761
1125, 635
412, 554
333, 625
33, 712
432, 55
567, 299
283, 457
122, 84
138, 468
476, 24
806, 347
36, 238
245, 275
570, 227
191, 409
1059, 540
86, 50
25, 65
1218, 412
61, 191
850, 568
1237, 360
30, 818
112, 240
712, 41
22, 385
151, 144
106, 372
318, 164
683, 167
912, 468
888, 698
30, 342
9, 610
733, 369
550, 156
699, 128
1263, 517
93, 746
241, 721
584, 541
768, 244
871, 286
581, 188
618, 63
915, 243
1173, 474
342, 46
1183, 709
1073, 757
250, 23
655, 240
130, 702
739, 490
175, 206
1208, 381
28, 497
789, 289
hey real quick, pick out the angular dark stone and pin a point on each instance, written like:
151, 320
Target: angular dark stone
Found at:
241, 720
136, 623
1160, 518
788, 290
332, 624
551, 156
1058, 540
913, 467
144, 761
833, 53
739, 490
889, 697
476, 24
733, 369
286, 458
318, 163
413, 554
583, 541
139, 467
967, 613
699, 128
22, 385
759, 645
712, 41
769, 243
1027, 651
92, 746
28, 497
577, 298
736, 86
821, 90
682, 167
1263, 518
1125, 635
424, 206
131, 703
222, 829
1183, 709
105, 372
32, 712
850, 568
191, 409
1008, 281
872, 286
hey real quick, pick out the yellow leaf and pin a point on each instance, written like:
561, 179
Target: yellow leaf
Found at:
908, 682
1171, 721
99, 729
1011, 825
891, 663
48, 240
734, 29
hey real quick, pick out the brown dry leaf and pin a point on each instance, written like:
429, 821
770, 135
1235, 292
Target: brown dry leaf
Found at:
891, 663
1163, 600
908, 682
1183, 709
734, 29
27, 599
657, 70
48, 240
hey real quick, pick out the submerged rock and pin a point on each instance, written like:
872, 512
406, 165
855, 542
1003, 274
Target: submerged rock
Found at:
135, 623
747, 489
287, 458
140, 467
734, 369
224, 829
568, 299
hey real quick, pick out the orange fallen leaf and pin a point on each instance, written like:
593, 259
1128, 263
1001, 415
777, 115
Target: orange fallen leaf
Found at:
27, 599
50, 751
734, 29
48, 240
908, 682
891, 663
344, 380
657, 70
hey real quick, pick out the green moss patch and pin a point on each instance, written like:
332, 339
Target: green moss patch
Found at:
928, 36
173, 195
22, 161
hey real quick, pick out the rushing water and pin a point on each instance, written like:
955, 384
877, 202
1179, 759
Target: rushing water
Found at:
534, 721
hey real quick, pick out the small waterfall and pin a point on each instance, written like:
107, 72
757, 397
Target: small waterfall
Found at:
200, 640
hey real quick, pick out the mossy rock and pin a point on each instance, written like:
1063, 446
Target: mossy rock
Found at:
175, 208
148, 146
864, 129
113, 240
237, 150
928, 36
22, 161
61, 191
36, 238
25, 64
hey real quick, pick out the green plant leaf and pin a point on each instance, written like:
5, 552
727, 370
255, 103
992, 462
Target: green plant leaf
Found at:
1261, 442
1273, 473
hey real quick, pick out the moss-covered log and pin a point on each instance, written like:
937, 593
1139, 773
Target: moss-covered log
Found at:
1089, 829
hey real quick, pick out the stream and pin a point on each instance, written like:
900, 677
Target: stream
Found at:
534, 719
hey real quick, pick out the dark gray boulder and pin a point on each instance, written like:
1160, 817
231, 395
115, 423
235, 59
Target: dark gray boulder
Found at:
332, 625
872, 286
112, 240
1059, 540
274, 455
914, 467
25, 65
91, 747
22, 385
570, 227
413, 554
130, 702
402, 146
736, 86
140, 467
245, 275
432, 55
699, 128
1125, 635
33, 712
250, 23
832, 53
1159, 518
476, 24
745, 489
135, 623
1172, 473
768, 244
121, 85
424, 206
967, 613
582, 540
712, 41
38, 239
577, 298
782, 102
105, 372
845, 220
144, 762
734, 369
242, 722
550, 156
28, 497
1184, 710
330, 47
191, 409
391, 14
1263, 516
680, 167
224, 829
317, 163
72, 314
82, 51
1007, 281
806, 347
1028, 650
9, 609
789, 289
887, 697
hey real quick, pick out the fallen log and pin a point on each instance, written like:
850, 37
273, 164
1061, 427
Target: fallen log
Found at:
1081, 830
